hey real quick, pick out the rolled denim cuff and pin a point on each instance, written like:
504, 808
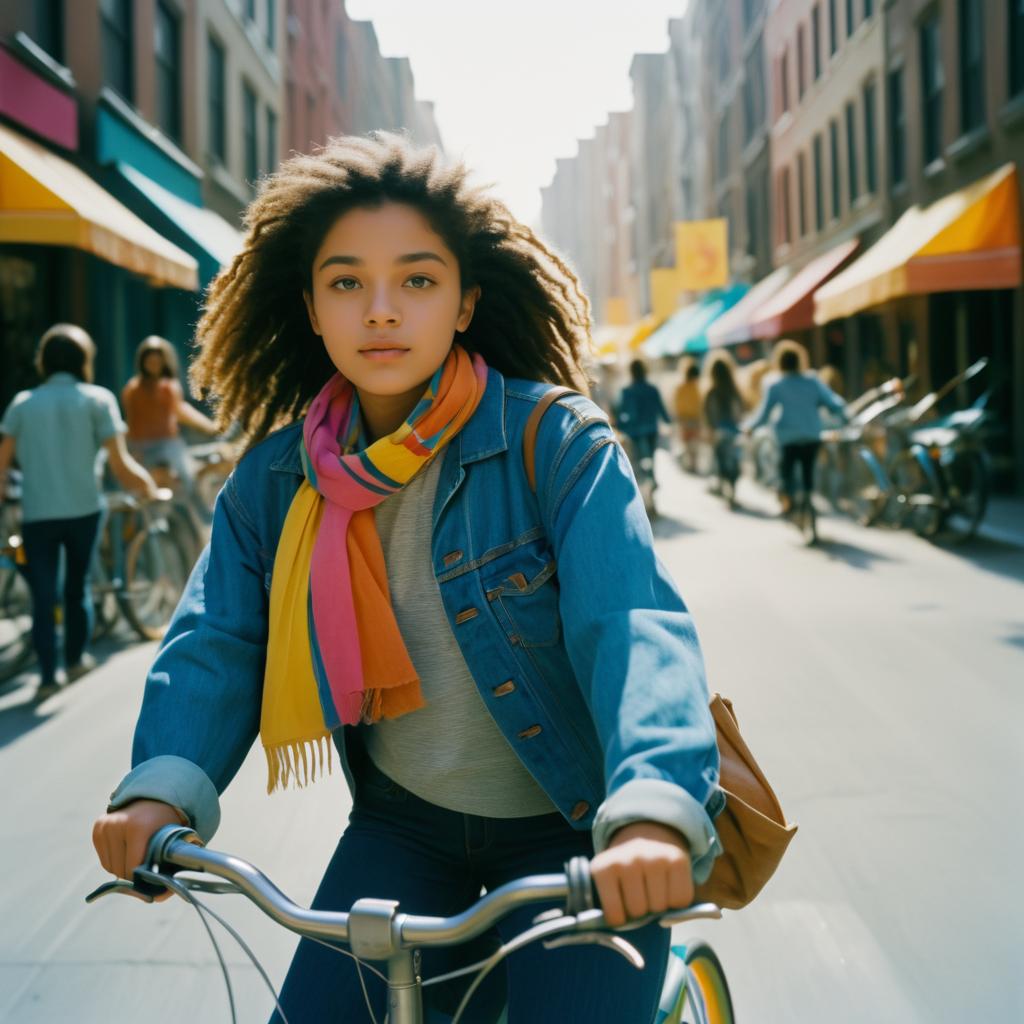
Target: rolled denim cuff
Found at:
667, 804
175, 781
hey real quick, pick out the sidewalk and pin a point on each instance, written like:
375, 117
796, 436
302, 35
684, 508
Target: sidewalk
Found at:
1004, 521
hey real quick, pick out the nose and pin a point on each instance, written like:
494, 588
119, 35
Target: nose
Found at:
382, 311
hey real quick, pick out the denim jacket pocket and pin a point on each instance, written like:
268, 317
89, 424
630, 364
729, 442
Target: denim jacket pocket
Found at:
525, 599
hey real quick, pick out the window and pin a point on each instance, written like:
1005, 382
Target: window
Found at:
216, 131
849, 18
250, 10
48, 30
801, 63
116, 28
722, 168
816, 41
932, 83
753, 91
972, 77
833, 145
784, 80
249, 141
1015, 19
167, 45
722, 45
870, 139
851, 151
752, 218
832, 33
272, 25
897, 127
819, 184
801, 189
271, 162
869, 8
786, 231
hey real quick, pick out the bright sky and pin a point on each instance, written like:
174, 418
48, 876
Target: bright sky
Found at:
517, 83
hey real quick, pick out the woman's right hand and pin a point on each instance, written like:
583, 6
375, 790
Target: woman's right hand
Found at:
121, 836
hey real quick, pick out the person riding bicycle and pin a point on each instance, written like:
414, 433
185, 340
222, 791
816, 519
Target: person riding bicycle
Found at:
689, 410
639, 410
791, 403
510, 678
723, 410
57, 431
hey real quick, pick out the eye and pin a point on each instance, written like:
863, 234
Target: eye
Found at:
418, 282
345, 284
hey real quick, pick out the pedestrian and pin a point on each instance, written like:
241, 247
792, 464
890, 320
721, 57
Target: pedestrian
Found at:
688, 408
723, 412
57, 431
154, 407
509, 678
791, 404
639, 411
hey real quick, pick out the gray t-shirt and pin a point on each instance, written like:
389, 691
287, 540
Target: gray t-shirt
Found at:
58, 430
450, 753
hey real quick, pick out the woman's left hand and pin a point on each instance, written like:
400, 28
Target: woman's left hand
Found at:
644, 870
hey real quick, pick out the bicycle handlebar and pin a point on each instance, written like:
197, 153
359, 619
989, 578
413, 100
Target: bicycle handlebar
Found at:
375, 928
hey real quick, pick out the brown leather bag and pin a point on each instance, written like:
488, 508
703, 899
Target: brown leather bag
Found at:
752, 828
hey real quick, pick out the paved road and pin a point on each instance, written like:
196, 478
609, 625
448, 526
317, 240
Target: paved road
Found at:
878, 679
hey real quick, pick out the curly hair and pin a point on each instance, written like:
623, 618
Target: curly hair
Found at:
260, 362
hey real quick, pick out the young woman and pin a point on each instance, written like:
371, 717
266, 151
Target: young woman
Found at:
154, 406
688, 414
509, 678
638, 414
57, 431
723, 410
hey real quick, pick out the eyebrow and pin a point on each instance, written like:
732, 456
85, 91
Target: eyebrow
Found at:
411, 257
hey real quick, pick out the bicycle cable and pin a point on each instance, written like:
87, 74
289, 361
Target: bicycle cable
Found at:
202, 908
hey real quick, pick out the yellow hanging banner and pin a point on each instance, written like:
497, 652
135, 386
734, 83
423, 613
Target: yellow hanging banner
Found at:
616, 311
665, 291
702, 254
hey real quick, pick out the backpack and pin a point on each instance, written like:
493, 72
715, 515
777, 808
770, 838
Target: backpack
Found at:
752, 827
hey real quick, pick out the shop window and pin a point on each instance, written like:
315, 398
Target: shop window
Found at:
167, 45
932, 85
851, 151
870, 139
116, 32
833, 145
972, 75
1015, 24
216, 97
897, 128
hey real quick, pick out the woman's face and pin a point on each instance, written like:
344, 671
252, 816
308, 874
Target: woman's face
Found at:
387, 299
153, 364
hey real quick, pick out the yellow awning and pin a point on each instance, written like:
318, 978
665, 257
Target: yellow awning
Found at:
967, 240
45, 200
642, 330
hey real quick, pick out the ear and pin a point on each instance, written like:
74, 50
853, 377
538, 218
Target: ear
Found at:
313, 322
470, 297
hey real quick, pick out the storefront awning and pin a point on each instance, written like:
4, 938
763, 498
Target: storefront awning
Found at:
967, 240
46, 200
207, 235
686, 331
792, 307
733, 327
639, 332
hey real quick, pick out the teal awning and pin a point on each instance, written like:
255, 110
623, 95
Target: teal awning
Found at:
200, 232
686, 330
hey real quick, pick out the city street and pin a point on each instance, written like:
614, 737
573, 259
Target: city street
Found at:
877, 678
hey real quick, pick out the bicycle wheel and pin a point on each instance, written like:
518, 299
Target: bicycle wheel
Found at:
15, 621
967, 480
830, 475
915, 500
807, 520
156, 570
865, 499
707, 998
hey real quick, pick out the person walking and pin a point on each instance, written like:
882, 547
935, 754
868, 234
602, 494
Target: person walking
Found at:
723, 411
639, 411
688, 410
405, 327
792, 403
155, 406
57, 431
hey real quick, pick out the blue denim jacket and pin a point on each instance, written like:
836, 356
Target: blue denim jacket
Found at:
578, 641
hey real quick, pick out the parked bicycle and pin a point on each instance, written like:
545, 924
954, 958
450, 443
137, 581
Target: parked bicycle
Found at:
695, 990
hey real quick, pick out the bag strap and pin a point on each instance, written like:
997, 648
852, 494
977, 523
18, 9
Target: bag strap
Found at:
533, 425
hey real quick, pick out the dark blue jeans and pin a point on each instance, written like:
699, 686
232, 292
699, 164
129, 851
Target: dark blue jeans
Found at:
43, 541
434, 862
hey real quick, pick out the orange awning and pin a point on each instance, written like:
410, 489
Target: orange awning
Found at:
965, 241
792, 307
46, 200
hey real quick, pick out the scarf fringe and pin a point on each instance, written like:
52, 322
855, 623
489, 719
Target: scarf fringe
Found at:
299, 762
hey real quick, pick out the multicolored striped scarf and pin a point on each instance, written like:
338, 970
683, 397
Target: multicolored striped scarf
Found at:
335, 655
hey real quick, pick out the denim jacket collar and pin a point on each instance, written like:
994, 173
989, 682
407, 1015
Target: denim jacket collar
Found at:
483, 436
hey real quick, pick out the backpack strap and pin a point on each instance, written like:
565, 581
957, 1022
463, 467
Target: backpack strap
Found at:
533, 425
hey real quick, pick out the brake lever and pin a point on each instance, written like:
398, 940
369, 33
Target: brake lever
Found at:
122, 886
612, 942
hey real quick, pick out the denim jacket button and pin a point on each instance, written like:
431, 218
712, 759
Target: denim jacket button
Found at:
580, 810
465, 615
452, 557
504, 688
528, 734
